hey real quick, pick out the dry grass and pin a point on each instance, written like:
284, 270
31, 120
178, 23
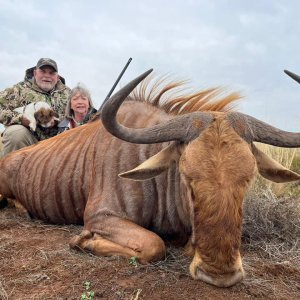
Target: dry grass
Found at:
272, 223
269, 213
3, 293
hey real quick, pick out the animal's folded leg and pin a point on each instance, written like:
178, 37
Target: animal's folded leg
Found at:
125, 239
100, 246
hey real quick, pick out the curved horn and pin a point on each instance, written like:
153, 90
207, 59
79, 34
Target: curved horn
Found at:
181, 128
293, 75
254, 130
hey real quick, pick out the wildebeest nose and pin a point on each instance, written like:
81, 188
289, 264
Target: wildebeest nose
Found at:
223, 280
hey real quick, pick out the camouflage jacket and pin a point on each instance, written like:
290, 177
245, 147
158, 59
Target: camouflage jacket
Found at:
26, 92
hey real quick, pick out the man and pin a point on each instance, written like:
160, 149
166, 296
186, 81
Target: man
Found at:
41, 83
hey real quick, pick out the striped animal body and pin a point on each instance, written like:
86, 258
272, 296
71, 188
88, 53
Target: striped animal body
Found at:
188, 164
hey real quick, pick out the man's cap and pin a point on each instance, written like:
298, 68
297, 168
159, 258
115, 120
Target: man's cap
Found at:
46, 62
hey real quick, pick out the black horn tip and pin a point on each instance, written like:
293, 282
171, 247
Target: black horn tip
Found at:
292, 75
141, 77
287, 72
116, 100
148, 72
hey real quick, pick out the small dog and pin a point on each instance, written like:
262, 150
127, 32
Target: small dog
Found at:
38, 113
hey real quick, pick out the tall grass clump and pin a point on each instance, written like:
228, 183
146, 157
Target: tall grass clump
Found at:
272, 211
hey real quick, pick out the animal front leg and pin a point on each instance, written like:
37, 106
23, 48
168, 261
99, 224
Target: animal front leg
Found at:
124, 238
32, 125
99, 246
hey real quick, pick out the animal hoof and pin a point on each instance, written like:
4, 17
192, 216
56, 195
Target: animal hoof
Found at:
76, 241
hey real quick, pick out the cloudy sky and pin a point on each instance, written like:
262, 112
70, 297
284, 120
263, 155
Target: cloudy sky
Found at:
241, 46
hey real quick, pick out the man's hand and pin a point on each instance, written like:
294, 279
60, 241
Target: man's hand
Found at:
25, 122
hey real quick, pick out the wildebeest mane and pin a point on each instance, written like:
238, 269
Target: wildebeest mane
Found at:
177, 98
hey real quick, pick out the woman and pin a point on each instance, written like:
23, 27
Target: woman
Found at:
79, 109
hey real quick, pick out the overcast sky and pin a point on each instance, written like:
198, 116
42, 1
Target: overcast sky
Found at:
237, 44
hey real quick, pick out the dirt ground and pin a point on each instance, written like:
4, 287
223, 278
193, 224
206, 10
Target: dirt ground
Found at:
36, 263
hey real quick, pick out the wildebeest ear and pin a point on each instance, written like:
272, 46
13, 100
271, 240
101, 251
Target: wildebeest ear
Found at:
155, 164
271, 169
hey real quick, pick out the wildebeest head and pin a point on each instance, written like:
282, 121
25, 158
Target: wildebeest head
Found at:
217, 160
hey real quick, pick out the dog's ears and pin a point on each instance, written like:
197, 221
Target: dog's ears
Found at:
37, 114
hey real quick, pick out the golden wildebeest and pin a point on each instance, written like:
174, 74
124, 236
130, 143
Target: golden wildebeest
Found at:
201, 164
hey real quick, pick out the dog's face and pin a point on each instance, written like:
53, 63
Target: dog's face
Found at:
46, 117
